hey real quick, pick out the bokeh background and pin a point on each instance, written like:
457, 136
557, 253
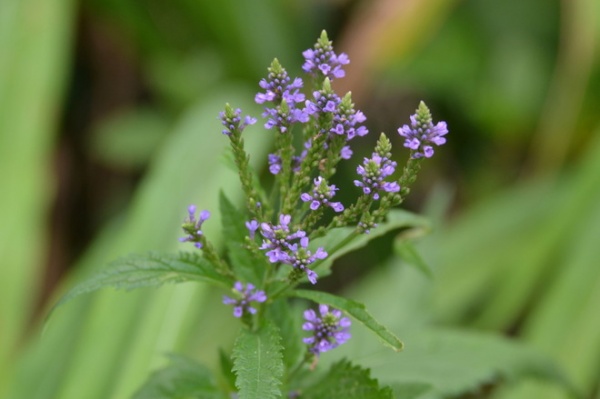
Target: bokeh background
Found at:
108, 129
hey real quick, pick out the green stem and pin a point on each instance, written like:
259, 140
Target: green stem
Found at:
307, 357
246, 176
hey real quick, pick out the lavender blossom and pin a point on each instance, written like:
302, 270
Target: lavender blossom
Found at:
324, 101
244, 295
233, 122
301, 257
275, 161
346, 152
279, 239
252, 226
283, 116
285, 95
373, 171
277, 87
323, 61
321, 195
346, 121
421, 133
329, 331
192, 226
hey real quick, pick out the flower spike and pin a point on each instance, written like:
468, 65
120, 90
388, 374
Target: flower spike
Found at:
422, 133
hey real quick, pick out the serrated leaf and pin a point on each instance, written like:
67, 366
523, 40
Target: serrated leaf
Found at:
407, 251
355, 309
246, 265
183, 378
397, 219
226, 365
149, 270
258, 363
289, 322
346, 381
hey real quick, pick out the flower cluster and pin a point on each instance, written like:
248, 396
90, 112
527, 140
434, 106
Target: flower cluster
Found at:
328, 331
325, 101
421, 133
193, 226
285, 96
244, 295
300, 257
328, 122
233, 121
321, 196
322, 60
278, 238
373, 172
281, 246
347, 121
265, 271
275, 161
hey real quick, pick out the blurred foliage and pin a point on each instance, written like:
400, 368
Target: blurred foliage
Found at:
108, 130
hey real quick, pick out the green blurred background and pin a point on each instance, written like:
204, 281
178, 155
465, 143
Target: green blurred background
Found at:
108, 129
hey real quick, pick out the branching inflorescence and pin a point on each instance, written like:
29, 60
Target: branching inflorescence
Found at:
301, 207
289, 235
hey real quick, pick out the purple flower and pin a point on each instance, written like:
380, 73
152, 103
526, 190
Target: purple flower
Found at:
283, 116
252, 226
373, 171
346, 152
232, 121
301, 257
278, 239
422, 133
277, 87
324, 101
275, 165
192, 226
321, 195
348, 122
322, 60
285, 95
328, 331
243, 297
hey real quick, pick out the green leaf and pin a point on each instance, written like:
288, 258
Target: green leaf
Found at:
345, 381
258, 363
407, 251
35, 60
289, 321
409, 390
149, 270
397, 219
226, 365
247, 266
183, 378
458, 362
356, 310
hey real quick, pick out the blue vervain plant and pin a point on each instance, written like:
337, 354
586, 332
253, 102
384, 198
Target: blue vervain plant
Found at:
288, 236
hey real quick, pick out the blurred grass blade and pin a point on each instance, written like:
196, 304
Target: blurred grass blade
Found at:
35, 38
124, 335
